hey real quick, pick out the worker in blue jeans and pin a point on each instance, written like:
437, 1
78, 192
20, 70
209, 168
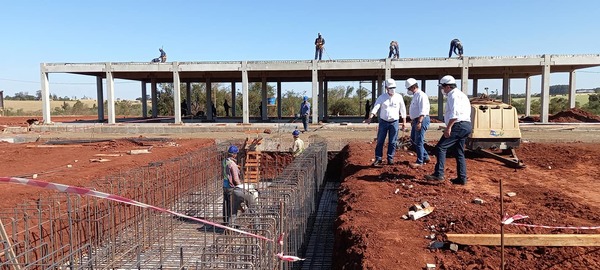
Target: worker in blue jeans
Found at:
457, 117
419, 114
305, 112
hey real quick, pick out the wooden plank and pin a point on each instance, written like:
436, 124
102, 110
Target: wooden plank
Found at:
528, 240
54, 146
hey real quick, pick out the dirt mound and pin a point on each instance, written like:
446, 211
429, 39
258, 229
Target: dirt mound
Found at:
574, 115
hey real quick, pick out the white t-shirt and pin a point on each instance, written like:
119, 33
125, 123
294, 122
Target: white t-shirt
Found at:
298, 147
391, 107
458, 107
419, 105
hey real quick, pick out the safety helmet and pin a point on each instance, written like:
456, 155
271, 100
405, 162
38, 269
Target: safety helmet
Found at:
233, 149
447, 80
390, 83
305, 98
410, 82
296, 133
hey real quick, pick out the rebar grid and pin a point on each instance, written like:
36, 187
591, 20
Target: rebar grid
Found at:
65, 231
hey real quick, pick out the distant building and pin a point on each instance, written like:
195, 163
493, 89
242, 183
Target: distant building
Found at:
585, 91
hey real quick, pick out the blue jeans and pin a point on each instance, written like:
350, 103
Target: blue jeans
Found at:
318, 52
391, 130
417, 137
305, 122
458, 136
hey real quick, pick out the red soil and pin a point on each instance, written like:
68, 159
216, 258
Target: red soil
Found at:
558, 187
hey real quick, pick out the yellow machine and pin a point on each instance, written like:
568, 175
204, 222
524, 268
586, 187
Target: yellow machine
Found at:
496, 130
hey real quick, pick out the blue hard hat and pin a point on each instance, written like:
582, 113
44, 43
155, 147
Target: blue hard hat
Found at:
305, 98
233, 149
296, 133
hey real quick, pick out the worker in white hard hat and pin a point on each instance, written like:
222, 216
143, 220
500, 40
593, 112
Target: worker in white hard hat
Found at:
455, 45
457, 117
392, 111
419, 115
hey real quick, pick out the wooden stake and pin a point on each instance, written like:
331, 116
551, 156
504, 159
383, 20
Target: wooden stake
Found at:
528, 240
501, 227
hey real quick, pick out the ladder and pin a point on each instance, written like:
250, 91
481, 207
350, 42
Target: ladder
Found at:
252, 163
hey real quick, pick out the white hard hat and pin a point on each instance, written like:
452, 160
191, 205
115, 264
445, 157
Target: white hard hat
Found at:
447, 80
410, 82
390, 83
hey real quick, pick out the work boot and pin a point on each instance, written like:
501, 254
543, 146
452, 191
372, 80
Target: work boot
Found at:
415, 165
457, 181
377, 163
433, 177
426, 161
390, 161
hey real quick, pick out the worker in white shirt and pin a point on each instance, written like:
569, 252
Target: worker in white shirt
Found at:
392, 111
457, 118
298, 146
419, 115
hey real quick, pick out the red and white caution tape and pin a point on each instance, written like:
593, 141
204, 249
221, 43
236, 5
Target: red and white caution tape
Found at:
510, 221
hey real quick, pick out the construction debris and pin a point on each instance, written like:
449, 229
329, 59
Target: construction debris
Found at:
454, 247
138, 151
417, 211
108, 155
430, 266
99, 160
478, 201
511, 194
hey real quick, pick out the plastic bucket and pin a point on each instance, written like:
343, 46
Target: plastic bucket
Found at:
271, 101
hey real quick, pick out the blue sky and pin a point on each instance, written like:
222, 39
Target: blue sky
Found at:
123, 31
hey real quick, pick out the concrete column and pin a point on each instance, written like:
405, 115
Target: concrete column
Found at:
100, 99
315, 93
379, 86
245, 109
572, 89
154, 95
177, 93
388, 68
110, 94
209, 100
45, 94
424, 86
506, 89
325, 103
233, 94
321, 109
545, 95
528, 96
278, 100
188, 97
144, 100
373, 91
475, 87
440, 102
464, 75
263, 97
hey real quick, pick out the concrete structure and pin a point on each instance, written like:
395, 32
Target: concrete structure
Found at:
319, 73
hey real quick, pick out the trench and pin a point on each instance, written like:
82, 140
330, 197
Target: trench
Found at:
298, 198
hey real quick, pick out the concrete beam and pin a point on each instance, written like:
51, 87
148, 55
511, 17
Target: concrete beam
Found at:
527, 96
388, 68
188, 97
373, 91
45, 85
233, 96
154, 95
209, 100
545, 95
321, 109
424, 86
278, 100
144, 100
245, 109
325, 110
464, 77
100, 99
177, 93
475, 87
315, 93
110, 94
263, 97
572, 89
506, 88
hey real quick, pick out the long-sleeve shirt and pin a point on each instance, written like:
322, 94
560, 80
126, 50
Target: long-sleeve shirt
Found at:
304, 108
392, 107
231, 173
458, 107
419, 105
298, 147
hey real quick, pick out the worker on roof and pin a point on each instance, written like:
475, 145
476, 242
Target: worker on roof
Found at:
457, 117
163, 55
305, 112
455, 45
298, 146
394, 50
319, 44
234, 193
392, 111
419, 115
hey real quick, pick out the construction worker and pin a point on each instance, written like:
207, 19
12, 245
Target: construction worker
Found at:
457, 117
394, 50
392, 109
298, 146
319, 44
455, 44
234, 193
226, 107
419, 115
305, 112
163, 55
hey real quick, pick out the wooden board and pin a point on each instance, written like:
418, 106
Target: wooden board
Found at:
54, 145
525, 240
